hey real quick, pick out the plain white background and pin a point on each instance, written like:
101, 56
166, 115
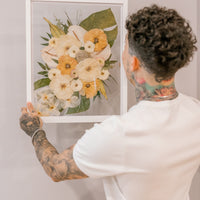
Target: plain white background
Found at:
22, 177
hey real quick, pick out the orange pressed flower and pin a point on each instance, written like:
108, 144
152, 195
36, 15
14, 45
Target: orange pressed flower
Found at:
90, 88
66, 64
98, 37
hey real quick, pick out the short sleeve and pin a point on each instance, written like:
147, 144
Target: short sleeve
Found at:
99, 153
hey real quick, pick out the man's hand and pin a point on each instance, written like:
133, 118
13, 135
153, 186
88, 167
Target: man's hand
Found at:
30, 120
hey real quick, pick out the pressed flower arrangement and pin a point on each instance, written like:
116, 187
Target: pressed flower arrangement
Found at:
76, 62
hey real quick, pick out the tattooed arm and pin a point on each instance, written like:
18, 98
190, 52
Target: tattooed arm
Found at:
58, 166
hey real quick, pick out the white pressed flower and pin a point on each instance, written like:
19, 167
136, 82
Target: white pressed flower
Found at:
55, 83
89, 46
104, 75
74, 101
41, 109
48, 53
65, 103
53, 108
73, 51
61, 87
101, 61
78, 32
64, 43
88, 69
52, 42
44, 95
76, 85
54, 73
105, 53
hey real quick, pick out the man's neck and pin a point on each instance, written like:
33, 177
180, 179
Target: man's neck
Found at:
154, 92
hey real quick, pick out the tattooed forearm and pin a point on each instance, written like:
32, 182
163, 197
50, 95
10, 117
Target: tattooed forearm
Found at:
58, 166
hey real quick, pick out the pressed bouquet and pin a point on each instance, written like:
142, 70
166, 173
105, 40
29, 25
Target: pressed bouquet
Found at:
76, 63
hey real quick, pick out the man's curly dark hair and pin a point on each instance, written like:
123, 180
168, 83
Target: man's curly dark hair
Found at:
161, 39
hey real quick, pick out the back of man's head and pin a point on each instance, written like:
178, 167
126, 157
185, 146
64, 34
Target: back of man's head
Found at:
161, 39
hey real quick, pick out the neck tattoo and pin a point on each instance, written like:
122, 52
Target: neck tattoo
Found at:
144, 91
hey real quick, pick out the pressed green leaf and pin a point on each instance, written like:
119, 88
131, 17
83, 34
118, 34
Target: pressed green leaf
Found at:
45, 44
98, 95
50, 36
112, 35
113, 78
103, 19
47, 67
65, 28
46, 39
41, 83
41, 65
84, 105
112, 61
69, 21
43, 72
56, 61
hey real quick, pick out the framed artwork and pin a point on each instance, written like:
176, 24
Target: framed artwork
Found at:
74, 59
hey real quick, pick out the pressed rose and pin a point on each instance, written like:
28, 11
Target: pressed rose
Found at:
98, 37
64, 43
88, 69
66, 64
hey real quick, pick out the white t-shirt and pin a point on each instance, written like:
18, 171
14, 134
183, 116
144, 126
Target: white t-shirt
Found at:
150, 153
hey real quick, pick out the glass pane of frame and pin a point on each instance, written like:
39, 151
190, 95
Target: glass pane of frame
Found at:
75, 59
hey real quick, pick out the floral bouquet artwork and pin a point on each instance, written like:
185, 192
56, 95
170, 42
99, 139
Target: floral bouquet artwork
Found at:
76, 63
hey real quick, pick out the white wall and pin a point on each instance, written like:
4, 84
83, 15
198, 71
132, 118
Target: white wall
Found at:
22, 177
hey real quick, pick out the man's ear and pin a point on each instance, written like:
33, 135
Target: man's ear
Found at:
135, 64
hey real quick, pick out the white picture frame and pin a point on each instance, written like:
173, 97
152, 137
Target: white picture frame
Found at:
123, 4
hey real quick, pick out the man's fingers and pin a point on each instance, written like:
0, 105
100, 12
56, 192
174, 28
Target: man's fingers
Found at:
30, 107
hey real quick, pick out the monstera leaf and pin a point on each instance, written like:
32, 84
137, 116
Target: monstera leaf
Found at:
102, 20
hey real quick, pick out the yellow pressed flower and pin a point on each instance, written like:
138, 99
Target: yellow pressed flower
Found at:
66, 64
90, 88
98, 37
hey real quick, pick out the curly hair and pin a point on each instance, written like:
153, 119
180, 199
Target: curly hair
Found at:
161, 39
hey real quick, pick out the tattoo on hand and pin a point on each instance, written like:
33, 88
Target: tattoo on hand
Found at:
30, 123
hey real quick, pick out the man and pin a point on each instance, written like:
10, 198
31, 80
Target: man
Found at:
153, 151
